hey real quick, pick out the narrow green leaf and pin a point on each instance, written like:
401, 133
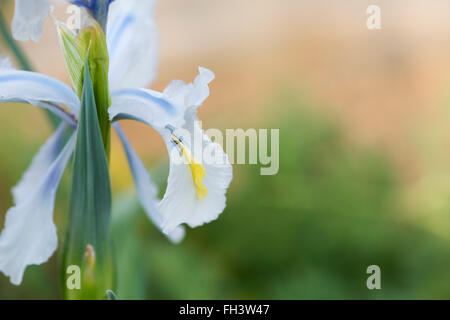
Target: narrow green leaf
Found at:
97, 54
89, 44
72, 56
88, 239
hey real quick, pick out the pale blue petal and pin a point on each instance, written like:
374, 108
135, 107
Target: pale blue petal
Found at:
133, 44
143, 105
42, 161
34, 87
5, 66
29, 236
5, 63
200, 87
146, 189
28, 19
177, 104
190, 96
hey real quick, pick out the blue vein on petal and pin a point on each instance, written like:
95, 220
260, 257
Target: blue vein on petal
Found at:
118, 30
167, 106
56, 170
27, 76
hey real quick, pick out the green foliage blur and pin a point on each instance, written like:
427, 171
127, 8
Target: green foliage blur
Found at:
308, 232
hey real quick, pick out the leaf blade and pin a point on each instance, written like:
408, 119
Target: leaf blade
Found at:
88, 239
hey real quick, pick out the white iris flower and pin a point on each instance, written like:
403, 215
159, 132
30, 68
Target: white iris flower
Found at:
196, 191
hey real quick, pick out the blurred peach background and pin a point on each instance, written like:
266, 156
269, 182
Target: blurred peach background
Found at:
381, 84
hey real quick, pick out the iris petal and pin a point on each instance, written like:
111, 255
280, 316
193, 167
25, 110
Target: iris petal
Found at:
29, 236
143, 105
133, 44
5, 63
28, 19
34, 87
181, 202
146, 189
192, 95
42, 161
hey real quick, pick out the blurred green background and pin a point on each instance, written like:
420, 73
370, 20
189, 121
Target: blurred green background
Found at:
364, 171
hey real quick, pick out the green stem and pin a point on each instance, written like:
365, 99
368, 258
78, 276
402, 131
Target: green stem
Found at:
22, 60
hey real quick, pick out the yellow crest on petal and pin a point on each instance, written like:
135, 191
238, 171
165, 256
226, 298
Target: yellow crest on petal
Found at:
197, 169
